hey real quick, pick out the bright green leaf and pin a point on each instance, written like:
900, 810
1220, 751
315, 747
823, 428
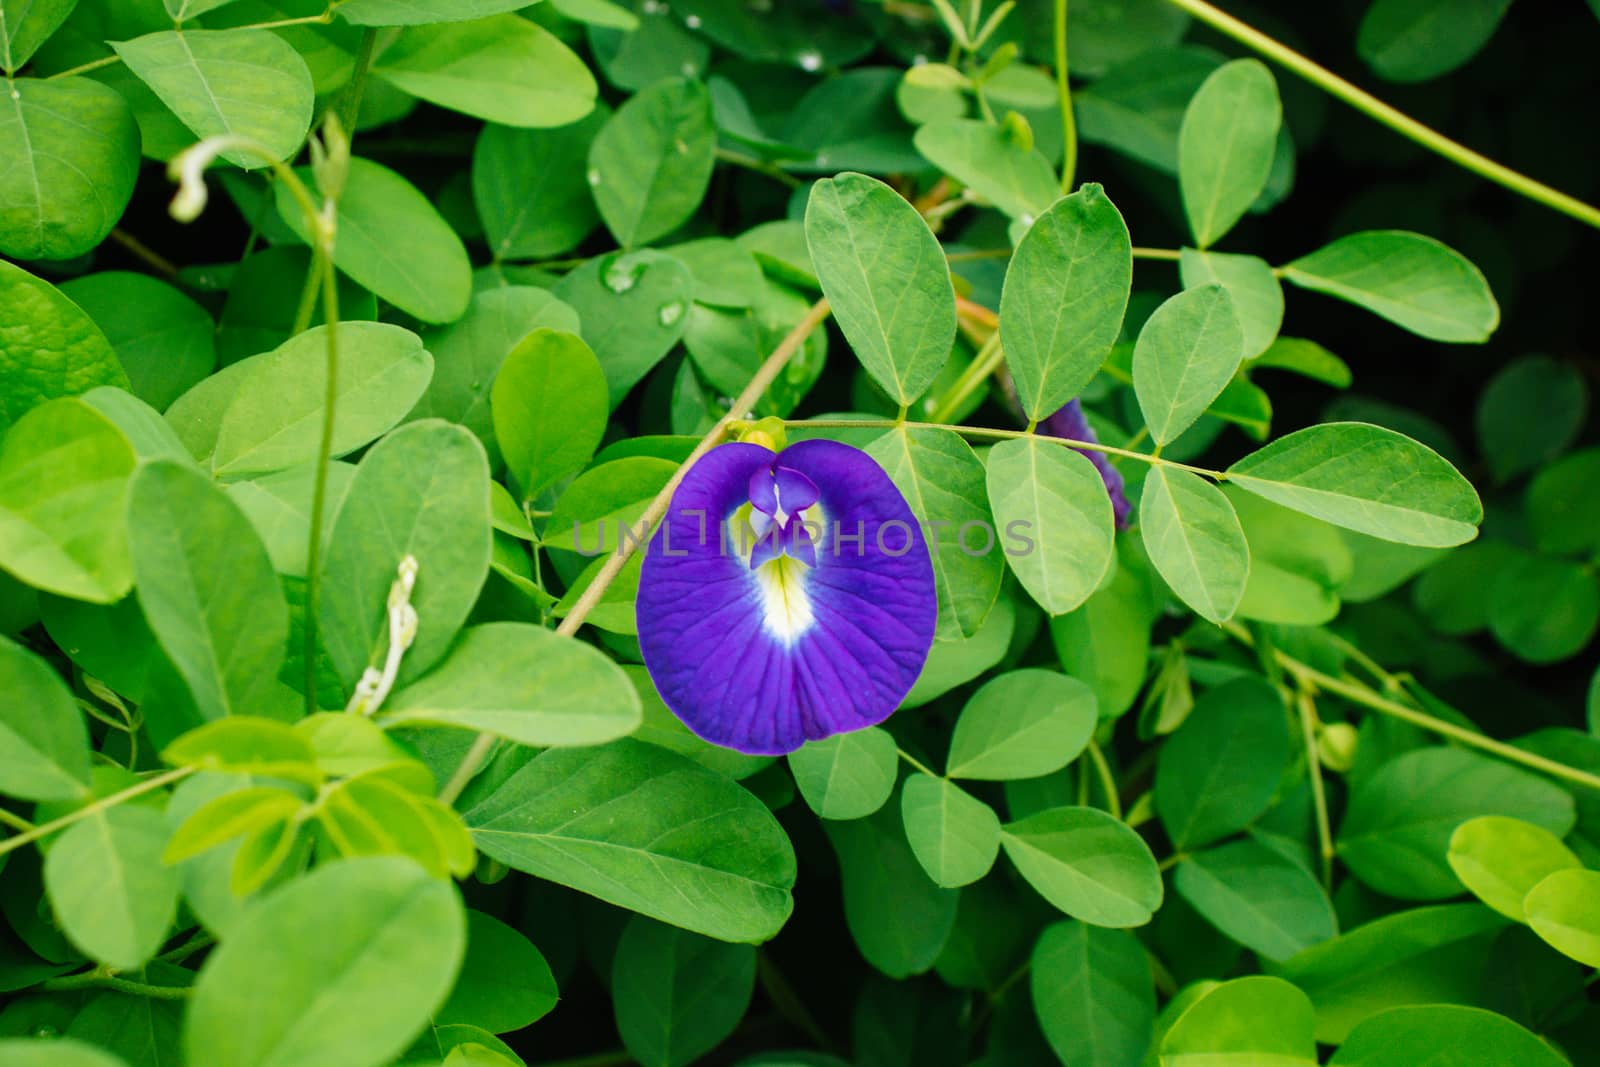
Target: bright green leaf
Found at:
1563, 910
1065, 293
1187, 352
1014, 177
50, 348
651, 163
111, 893
1022, 724
954, 835
885, 277
164, 340
1256, 293
1411, 280
1443, 1035
1500, 859
1255, 1020
1219, 771
550, 407
1088, 864
1368, 479
531, 187
44, 748
1225, 146
1093, 993
634, 307
1257, 896
847, 776
1195, 540
25, 25
1059, 527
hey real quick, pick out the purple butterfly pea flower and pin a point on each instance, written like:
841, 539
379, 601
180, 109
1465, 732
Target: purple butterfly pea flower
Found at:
786, 597
1070, 424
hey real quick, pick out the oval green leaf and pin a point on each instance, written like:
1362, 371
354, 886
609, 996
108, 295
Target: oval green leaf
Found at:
1194, 539
651, 163
1368, 479
954, 835
1500, 859
1186, 354
50, 348
885, 276
1220, 769
1564, 909
1088, 864
1022, 724
1225, 146
1093, 993
113, 896
44, 748
550, 406
847, 776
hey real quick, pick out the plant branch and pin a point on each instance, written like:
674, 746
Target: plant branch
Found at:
915, 763
984, 363
1305, 703
1069, 129
1009, 435
1108, 781
1389, 116
98, 979
350, 104
657, 507
152, 259
15, 821
319, 489
46, 829
739, 159
1356, 693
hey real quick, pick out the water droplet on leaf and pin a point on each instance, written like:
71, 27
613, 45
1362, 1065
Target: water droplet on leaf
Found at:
670, 313
809, 60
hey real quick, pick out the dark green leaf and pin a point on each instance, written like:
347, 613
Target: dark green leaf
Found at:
1219, 771
651, 163
677, 994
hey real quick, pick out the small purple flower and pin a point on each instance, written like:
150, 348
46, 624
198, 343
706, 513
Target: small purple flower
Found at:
786, 596
1070, 424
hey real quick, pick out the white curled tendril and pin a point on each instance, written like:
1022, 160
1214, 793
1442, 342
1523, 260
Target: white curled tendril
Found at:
375, 684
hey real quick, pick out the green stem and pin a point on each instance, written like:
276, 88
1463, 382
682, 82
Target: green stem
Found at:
46, 829
653, 512
157, 262
1305, 702
739, 159
1108, 781
984, 363
1069, 128
914, 762
319, 491
101, 980
1391, 117
1169, 254
1172, 861
15, 821
84, 68
1360, 694
308, 294
350, 105
1009, 435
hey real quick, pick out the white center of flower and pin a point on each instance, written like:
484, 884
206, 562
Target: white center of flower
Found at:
785, 607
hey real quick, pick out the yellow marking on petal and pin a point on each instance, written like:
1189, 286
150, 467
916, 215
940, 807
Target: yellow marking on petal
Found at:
786, 609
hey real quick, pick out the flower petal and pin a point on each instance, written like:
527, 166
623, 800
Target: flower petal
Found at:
764, 659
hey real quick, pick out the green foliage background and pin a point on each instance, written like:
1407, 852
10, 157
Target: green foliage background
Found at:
324, 736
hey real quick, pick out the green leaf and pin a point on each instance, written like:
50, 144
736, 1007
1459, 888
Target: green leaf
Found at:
1194, 539
657, 46
1396, 831
503, 69
1413, 281
340, 968
1368, 479
468, 353
1088, 864
1059, 527
505, 983
423, 491
182, 10
1014, 177
1417, 956
1544, 610
943, 481
1415, 40
112, 895
164, 340
1225, 146
531, 187
847, 776
61, 202
274, 420
229, 83
229, 816
1500, 859
647, 830
393, 241
55, 1052
63, 481
677, 995
897, 916
1443, 1035
422, 12
1187, 352
1106, 642
634, 307
1022, 724
207, 588
651, 163
279, 507
1220, 769
1514, 444
25, 25
1258, 897
954, 835
1562, 909
44, 748
524, 683
1065, 293
50, 348
1253, 287
1093, 994
246, 744
1305, 358
550, 408
1256, 1020
1563, 514
885, 277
